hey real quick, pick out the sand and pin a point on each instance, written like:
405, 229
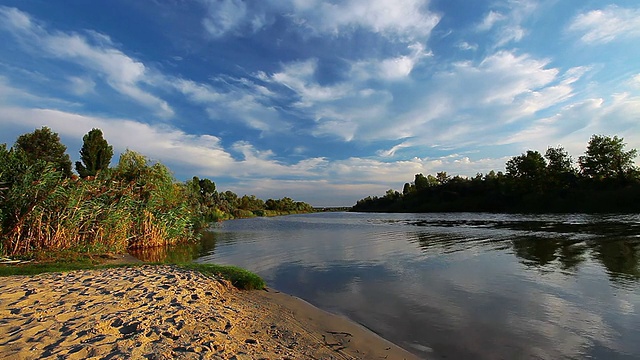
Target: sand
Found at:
163, 312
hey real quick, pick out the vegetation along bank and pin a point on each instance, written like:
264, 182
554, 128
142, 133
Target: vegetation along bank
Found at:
606, 180
137, 203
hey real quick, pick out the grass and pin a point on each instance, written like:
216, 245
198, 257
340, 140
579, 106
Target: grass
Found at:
240, 278
39, 267
70, 261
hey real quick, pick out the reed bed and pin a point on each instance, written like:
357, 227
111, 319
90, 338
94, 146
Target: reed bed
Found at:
134, 205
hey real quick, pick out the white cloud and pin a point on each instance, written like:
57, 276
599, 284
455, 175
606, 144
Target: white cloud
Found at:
14, 18
300, 78
243, 101
506, 26
406, 19
204, 155
503, 88
95, 53
395, 68
467, 46
508, 34
80, 85
490, 20
10, 95
606, 25
468, 99
197, 92
161, 142
635, 81
391, 152
224, 16
573, 125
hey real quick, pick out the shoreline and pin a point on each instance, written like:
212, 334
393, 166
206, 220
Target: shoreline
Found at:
164, 312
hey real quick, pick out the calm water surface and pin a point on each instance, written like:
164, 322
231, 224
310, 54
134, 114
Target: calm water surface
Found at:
457, 286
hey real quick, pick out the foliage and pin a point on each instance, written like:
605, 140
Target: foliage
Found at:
287, 204
530, 165
606, 158
44, 145
136, 204
95, 154
560, 162
211, 205
42, 210
531, 184
240, 278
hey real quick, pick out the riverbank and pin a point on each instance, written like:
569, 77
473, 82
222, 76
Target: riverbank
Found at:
165, 312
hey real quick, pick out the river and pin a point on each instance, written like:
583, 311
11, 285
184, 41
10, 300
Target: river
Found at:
455, 286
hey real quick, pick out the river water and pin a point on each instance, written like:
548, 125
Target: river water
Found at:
456, 286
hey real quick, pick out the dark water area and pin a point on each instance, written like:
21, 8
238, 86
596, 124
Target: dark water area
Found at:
455, 286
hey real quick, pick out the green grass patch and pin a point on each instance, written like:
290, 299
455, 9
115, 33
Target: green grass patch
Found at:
65, 261
40, 267
240, 278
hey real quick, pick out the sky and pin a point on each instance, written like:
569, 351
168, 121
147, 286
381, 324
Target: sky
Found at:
323, 101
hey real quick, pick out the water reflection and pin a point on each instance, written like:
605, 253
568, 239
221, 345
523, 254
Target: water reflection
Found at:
180, 253
482, 286
543, 252
552, 245
621, 258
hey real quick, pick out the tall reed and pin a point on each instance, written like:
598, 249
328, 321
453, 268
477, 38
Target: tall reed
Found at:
135, 205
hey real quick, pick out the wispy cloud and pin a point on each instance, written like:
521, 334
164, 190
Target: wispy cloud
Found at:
224, 16
93, 51
393, 68
606, 25
574, 123
490, 20
300, 77
406, 19
463, 45
237, 100
343, 97
506, 23
204, 155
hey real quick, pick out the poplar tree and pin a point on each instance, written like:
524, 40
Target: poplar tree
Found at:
95, 154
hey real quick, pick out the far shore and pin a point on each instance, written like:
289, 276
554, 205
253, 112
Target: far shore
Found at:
166, 312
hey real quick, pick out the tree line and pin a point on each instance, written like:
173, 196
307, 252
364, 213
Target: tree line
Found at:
136, 203
605, 180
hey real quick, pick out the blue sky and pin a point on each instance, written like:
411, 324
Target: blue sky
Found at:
323, 101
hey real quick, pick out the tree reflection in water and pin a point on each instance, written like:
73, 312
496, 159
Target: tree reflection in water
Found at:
179, 253
620, 256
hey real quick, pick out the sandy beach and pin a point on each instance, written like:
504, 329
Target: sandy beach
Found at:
164, 312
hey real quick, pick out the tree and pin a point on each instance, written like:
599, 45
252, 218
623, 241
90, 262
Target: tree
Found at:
530, 165
420, 182
132, 166
392, 195
442, 177
408, 189
560, 169
44, 144
606, 158
95, 154
423, 182
560, 161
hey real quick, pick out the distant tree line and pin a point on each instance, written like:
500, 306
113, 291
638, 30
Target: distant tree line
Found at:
606, 180
135, 204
